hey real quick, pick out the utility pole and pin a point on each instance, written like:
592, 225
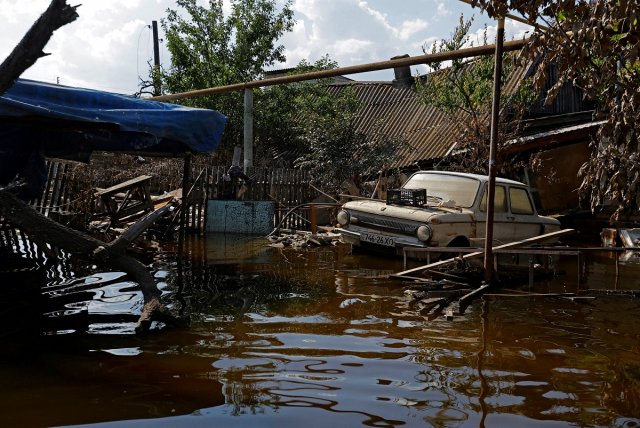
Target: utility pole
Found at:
493, 148
157, 85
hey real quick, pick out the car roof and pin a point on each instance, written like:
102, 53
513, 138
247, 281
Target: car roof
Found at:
482, 178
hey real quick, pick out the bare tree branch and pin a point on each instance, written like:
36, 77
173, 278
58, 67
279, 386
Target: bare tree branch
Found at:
30, 48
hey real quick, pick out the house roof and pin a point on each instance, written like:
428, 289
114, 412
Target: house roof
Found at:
431, 134
428, 131
582, 131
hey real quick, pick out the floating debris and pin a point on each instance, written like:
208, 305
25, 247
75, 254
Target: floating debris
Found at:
302, 239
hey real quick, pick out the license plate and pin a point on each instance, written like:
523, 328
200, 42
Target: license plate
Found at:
374, 238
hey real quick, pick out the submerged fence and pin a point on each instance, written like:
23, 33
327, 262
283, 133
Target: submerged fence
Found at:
70, 188
288, 188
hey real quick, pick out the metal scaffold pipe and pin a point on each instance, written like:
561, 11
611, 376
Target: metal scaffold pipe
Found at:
353, 69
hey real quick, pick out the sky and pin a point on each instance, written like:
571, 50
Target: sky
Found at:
110, 45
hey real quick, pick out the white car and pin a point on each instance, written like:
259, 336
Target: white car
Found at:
440, 209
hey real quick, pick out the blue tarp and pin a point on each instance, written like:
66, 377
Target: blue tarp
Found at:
104, 121
41, 119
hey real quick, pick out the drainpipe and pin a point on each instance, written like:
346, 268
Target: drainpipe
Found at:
248, 129
495, 115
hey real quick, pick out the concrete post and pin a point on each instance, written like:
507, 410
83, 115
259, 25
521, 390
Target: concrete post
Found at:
248, 129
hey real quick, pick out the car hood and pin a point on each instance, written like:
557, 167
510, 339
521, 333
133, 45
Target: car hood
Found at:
419, 214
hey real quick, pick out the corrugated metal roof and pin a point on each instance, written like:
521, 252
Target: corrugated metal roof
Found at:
428, 131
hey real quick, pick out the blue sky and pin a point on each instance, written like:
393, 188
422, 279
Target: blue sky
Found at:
109, 45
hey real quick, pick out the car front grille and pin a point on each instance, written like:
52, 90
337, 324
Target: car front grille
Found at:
386, 223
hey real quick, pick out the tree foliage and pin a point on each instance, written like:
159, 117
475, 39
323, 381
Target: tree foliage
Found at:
312, 126
209, 49
283, 112
313, 123
595, 45
338, 151
463, 89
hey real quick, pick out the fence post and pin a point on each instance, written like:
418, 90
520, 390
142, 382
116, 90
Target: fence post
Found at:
313, 216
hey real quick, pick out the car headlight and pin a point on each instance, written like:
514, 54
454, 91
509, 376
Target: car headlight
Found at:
424, 233
343, 218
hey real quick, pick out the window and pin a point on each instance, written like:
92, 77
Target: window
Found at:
520, 202
499, 201
462, 190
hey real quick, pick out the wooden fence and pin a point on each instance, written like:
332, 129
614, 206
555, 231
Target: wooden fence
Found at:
70, 188
288, 188
68, 193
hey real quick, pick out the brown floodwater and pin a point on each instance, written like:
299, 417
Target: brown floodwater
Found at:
314, 338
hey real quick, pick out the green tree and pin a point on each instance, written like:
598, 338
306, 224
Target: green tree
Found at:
283, 112
314, 122
310, 121
463, 89
339, 151
595, 45
209, 49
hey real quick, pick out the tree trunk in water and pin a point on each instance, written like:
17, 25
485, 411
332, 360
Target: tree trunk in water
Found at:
77, 243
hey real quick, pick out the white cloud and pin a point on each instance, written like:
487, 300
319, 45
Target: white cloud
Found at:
352, 47
109, 45
409, 28
442, 9
312, 9
406, 29
516, 30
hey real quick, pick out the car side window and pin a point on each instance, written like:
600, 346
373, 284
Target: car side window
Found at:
499, 200
520, 201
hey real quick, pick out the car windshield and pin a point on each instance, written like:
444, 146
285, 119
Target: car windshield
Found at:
461, 190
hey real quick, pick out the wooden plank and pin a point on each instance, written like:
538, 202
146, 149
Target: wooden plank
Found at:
465, 300
56, 198
516, 244
199, 199
272, 187
124, 185
51, 173
530, 294
264, 192
64, 200
207, 195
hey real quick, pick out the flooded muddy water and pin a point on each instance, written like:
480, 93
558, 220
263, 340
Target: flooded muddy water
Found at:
314, 338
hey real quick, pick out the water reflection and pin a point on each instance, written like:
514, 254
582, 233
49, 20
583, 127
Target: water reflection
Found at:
321, 337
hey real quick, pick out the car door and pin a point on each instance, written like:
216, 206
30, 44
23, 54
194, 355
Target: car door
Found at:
503, 221
523, 214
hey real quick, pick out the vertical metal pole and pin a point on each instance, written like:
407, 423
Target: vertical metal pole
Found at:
157, 85
248, 129
495, 114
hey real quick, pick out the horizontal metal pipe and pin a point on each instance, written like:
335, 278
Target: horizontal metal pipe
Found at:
353, 69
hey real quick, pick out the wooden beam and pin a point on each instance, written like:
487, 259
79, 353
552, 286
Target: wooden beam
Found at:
525, 242
467, 298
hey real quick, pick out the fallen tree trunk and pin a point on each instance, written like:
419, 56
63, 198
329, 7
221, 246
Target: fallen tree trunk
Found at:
84, 246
